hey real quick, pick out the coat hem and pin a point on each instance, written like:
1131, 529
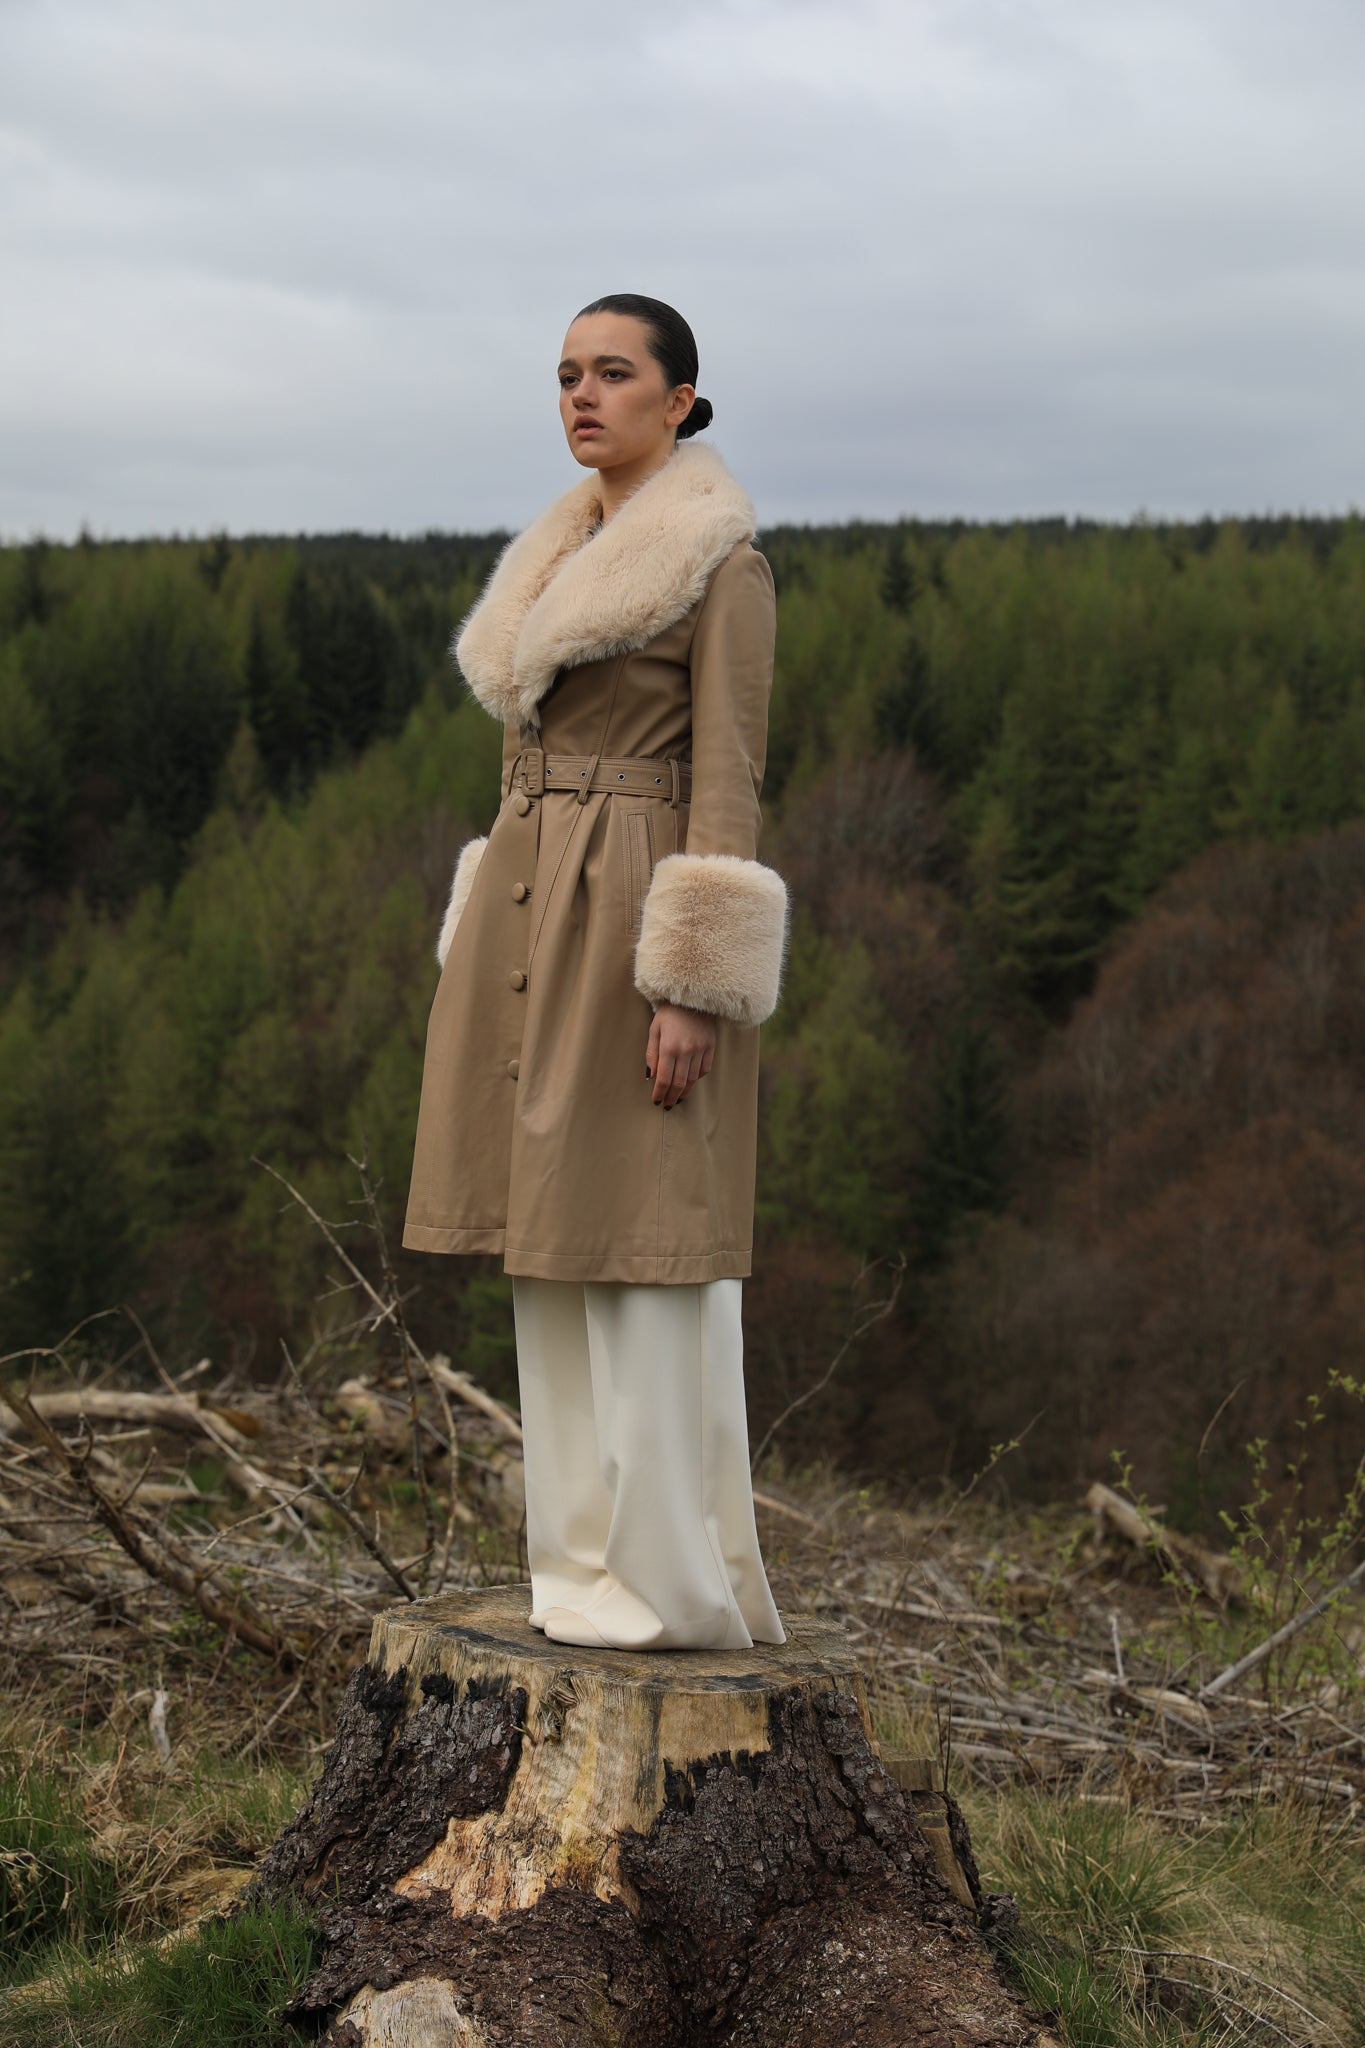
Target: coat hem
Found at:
679, 1269
431, 1237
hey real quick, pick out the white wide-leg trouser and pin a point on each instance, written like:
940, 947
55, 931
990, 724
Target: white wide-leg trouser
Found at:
640, 1525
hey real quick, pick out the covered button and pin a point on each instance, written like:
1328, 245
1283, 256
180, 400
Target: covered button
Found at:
514, 1068
522, 804
519, 892
517, 978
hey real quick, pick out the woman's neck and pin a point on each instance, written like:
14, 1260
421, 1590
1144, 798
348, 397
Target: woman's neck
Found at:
616, 485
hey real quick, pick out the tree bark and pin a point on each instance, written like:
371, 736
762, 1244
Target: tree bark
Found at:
515, 1843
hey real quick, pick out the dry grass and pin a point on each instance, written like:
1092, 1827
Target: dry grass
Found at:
1187, 1870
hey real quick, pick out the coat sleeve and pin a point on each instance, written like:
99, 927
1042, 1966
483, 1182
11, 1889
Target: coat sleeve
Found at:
471, 853
714, 929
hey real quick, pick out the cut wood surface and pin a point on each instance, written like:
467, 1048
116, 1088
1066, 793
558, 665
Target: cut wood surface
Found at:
520, 1842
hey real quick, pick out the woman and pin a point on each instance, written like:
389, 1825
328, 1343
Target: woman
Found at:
608, 952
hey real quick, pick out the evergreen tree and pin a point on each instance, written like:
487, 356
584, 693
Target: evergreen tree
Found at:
277, 707
903, 714
899, 583
1268, 797
214, 559
1176, 818
962, 1170
34, 794
348, 659
31, 604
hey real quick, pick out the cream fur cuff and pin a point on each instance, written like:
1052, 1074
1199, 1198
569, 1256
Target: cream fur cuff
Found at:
713, 936
471, 853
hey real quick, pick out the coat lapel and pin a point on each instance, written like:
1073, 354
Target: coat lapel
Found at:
560, 594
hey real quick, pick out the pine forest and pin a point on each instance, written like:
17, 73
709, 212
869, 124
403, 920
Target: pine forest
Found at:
1063, 1108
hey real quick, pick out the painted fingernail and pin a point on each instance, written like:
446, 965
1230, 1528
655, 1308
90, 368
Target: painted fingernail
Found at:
649, 1073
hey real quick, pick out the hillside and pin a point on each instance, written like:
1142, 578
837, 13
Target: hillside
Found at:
1070, 817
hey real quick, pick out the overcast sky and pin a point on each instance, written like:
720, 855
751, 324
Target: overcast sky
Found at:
308, 265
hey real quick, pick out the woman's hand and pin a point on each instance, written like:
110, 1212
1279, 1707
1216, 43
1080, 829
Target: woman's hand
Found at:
682, 1045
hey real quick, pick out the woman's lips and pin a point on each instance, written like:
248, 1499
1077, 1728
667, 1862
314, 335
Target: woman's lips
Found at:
588, 427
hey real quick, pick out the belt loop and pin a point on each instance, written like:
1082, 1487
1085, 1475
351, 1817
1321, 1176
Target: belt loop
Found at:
531, 758
675, 779
589, 772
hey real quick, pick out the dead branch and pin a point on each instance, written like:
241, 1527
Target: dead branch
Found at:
359, 1401
1189, 1955
474, 1396
186, 1414
339, 1503
863, 1321
782, 1507
248, 1478
1281, 1635
406, 1350
1216, 1573
157, 1554
391, 1311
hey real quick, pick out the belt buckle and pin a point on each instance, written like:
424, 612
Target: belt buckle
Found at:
533, 769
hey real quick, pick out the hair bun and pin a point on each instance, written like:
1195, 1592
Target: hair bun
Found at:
700, 416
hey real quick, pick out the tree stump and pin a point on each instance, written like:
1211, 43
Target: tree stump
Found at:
517, 1843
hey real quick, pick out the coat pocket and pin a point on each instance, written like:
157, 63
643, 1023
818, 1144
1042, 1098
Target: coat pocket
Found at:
637, 829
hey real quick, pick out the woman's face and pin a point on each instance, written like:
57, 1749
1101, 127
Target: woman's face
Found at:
613, 400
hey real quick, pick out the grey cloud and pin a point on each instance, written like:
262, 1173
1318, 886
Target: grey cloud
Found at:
310, 267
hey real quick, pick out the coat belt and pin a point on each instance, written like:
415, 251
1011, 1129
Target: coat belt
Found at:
629, 774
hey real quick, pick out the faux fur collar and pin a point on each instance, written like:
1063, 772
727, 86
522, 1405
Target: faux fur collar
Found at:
560, 594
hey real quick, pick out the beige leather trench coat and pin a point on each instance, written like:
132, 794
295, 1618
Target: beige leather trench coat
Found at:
604, 890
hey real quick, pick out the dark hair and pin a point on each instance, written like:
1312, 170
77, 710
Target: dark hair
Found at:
671, 343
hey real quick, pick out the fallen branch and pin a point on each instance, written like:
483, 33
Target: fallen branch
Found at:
187, 1414
782, 1507
249, 1479
342, 1507
1217, 1574
159, 1556
1281, 1635
469, 1391
360, 1404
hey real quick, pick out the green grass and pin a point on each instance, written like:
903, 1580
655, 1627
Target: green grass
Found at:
226, 1985
1089, 2006
1233, 1916
89, 1922
1097, 1872
51, 1881
237, 1800
1138, 1932
1249, 1931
